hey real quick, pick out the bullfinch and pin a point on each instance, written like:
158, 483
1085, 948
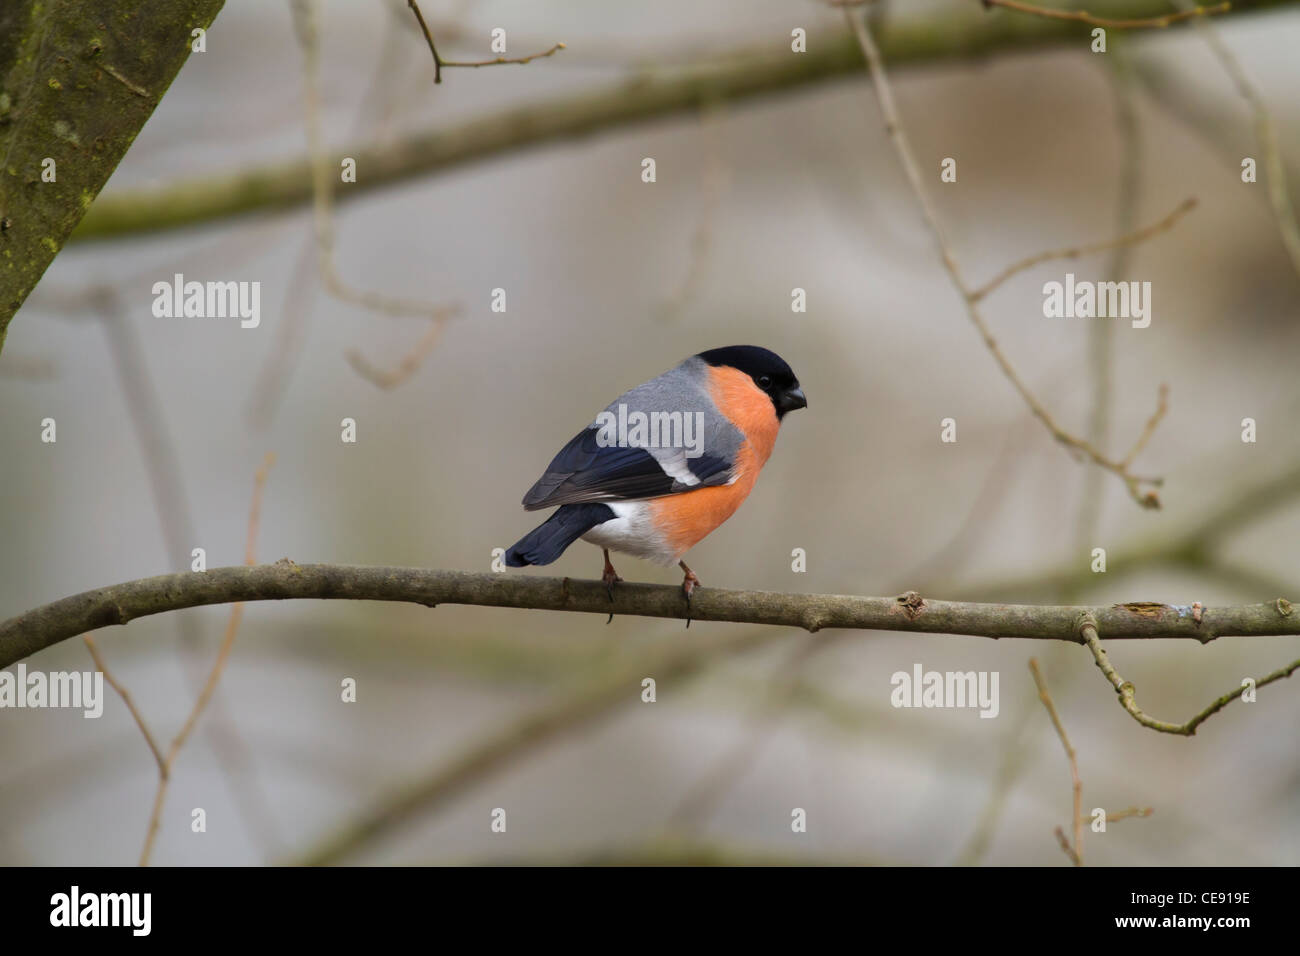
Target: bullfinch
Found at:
665, 463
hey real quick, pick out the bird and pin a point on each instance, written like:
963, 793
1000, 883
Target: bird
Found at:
665, 463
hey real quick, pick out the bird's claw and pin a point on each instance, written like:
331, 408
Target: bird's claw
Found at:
689, 584
609, 577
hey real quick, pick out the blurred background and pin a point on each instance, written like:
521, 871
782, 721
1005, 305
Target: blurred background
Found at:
609, 281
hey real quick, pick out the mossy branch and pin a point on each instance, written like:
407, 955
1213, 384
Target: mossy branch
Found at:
78, 79
950, 35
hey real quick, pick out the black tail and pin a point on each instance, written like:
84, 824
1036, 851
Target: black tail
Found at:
548, 540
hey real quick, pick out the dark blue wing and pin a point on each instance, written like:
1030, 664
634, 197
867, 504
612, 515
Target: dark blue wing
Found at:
585, 470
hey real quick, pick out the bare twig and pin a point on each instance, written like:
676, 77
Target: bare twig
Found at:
129, 701
1265, 135
1138, 813
1068, 850
1126, 691
304, 12
1101, 335
1075, 852
175, 519
1075, 252
1162, 407
496, 61
1141, 489
214, 676
1083, 16
374, 114
408, 365
439, 63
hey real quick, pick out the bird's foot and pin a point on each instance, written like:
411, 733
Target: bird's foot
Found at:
609, 577
689, 584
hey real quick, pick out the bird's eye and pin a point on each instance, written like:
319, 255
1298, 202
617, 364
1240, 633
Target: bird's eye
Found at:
765, 381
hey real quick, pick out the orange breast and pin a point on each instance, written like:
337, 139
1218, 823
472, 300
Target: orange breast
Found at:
686, 518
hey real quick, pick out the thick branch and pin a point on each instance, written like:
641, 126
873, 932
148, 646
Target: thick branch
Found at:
77, 82
41, 627
951, 35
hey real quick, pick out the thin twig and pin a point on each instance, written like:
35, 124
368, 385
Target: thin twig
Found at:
1138, 813
1265, 135
1083, 16
1101, 335
408, 365
218, 667
148, 418
1075, 252
374, 113
1126, 690
1076, 852
1141, 489
304, 12
428, 38
129, 701
496, 61
1162, 407
439, 63
1068, 850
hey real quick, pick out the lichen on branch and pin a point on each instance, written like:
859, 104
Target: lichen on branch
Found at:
78, 79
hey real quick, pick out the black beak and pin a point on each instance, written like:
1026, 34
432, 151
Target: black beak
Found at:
791, 399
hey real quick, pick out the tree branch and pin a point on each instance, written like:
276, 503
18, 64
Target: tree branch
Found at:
1074, 252
1075, 851
439, 64
739, 73
42, 627
1127, 23
214, 675
76, 86
1127, 692
1141, 489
